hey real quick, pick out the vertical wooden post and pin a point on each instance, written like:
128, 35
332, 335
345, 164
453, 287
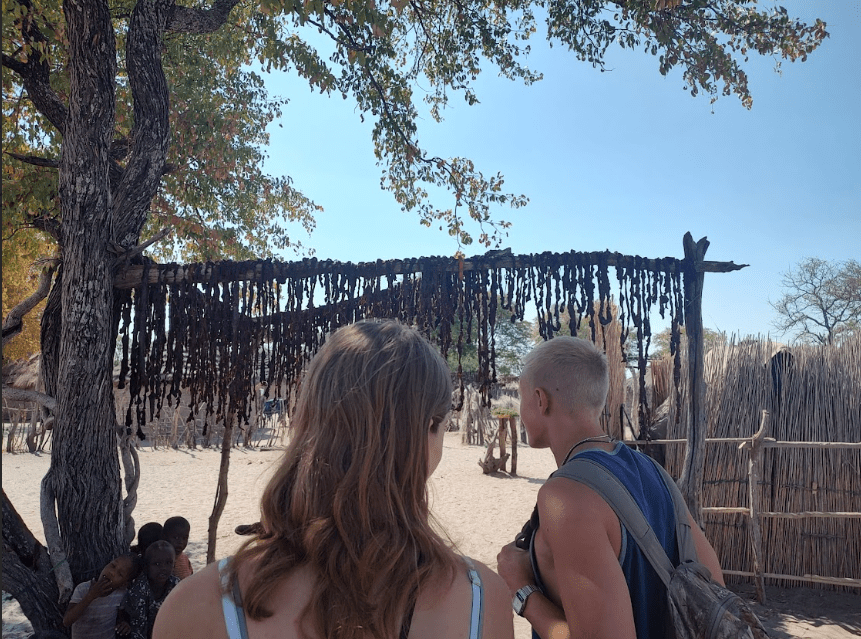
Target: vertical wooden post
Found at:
33, 430
512, 425
754, 473
691, 481
503, 421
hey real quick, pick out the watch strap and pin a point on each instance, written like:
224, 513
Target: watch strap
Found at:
518, 603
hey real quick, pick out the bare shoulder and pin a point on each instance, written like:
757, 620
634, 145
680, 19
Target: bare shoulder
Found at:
583, 535
498, 615
193, 608
562, 502
444, 608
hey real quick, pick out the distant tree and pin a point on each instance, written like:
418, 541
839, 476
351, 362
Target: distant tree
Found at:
661, 341
513, 341
822, 300
584, 331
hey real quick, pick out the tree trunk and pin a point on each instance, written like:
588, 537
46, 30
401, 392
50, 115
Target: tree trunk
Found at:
104, 207
85, 472
221, 488
27, 573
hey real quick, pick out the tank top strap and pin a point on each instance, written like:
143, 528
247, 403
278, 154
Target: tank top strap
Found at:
476, 619
231, 604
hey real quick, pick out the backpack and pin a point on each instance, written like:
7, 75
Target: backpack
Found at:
699, 608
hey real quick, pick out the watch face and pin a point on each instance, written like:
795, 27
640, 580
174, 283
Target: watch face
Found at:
518, 604
520, 597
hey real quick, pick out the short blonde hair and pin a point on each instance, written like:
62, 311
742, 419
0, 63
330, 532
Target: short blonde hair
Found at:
570, 369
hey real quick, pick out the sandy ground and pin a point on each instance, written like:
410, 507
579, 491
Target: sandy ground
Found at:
479, 512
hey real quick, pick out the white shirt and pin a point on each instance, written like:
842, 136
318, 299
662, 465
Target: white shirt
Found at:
99, 620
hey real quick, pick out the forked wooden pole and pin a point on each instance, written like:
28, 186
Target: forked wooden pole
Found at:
754, 466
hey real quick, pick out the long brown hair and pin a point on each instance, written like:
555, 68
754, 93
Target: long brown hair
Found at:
350, 498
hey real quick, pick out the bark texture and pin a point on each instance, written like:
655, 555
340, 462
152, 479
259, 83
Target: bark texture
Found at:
27, 573
85, 473
104, 206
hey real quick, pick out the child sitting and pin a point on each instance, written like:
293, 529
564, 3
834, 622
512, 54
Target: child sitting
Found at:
147, 534
176, 531
146, 593
92, 611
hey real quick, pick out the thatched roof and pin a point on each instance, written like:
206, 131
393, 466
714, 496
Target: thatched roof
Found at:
22, 373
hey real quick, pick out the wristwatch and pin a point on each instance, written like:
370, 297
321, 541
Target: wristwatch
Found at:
520, 597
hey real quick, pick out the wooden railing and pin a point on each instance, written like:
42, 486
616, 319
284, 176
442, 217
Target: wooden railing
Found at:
756, 445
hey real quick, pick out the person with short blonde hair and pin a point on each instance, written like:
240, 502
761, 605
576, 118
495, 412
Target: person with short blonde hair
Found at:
572, 370
345, 548
583, 575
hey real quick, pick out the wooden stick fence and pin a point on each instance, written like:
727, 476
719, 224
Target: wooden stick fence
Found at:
756, 445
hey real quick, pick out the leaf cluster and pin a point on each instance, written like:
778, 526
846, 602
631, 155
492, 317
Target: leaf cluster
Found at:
708, 40
20, 277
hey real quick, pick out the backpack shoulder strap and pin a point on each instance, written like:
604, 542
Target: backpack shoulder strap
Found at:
684, 537
606, 484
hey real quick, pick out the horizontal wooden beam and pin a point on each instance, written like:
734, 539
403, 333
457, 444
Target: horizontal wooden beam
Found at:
766, 443
736, 510
200, 272
816, 579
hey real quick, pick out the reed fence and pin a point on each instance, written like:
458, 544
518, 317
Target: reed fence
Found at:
809, 473
756, 445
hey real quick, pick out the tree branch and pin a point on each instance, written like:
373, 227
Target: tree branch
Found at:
14, 322
187, 20
150, 137
27, 572
35, 160
24, 395
132, 470
35, 72
51, 528
125, 256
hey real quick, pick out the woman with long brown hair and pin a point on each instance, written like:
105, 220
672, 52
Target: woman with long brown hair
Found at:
346, 549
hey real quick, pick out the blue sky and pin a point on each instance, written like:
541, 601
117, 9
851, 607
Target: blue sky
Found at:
624, 160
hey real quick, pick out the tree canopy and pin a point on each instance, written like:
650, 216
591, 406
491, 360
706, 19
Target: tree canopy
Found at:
214, 193
821, 302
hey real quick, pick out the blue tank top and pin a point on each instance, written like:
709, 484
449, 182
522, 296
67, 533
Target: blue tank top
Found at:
641, 478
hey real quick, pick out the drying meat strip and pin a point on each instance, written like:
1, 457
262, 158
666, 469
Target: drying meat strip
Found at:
223, 338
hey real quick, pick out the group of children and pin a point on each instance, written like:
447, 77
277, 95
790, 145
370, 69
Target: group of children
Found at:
125, 598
